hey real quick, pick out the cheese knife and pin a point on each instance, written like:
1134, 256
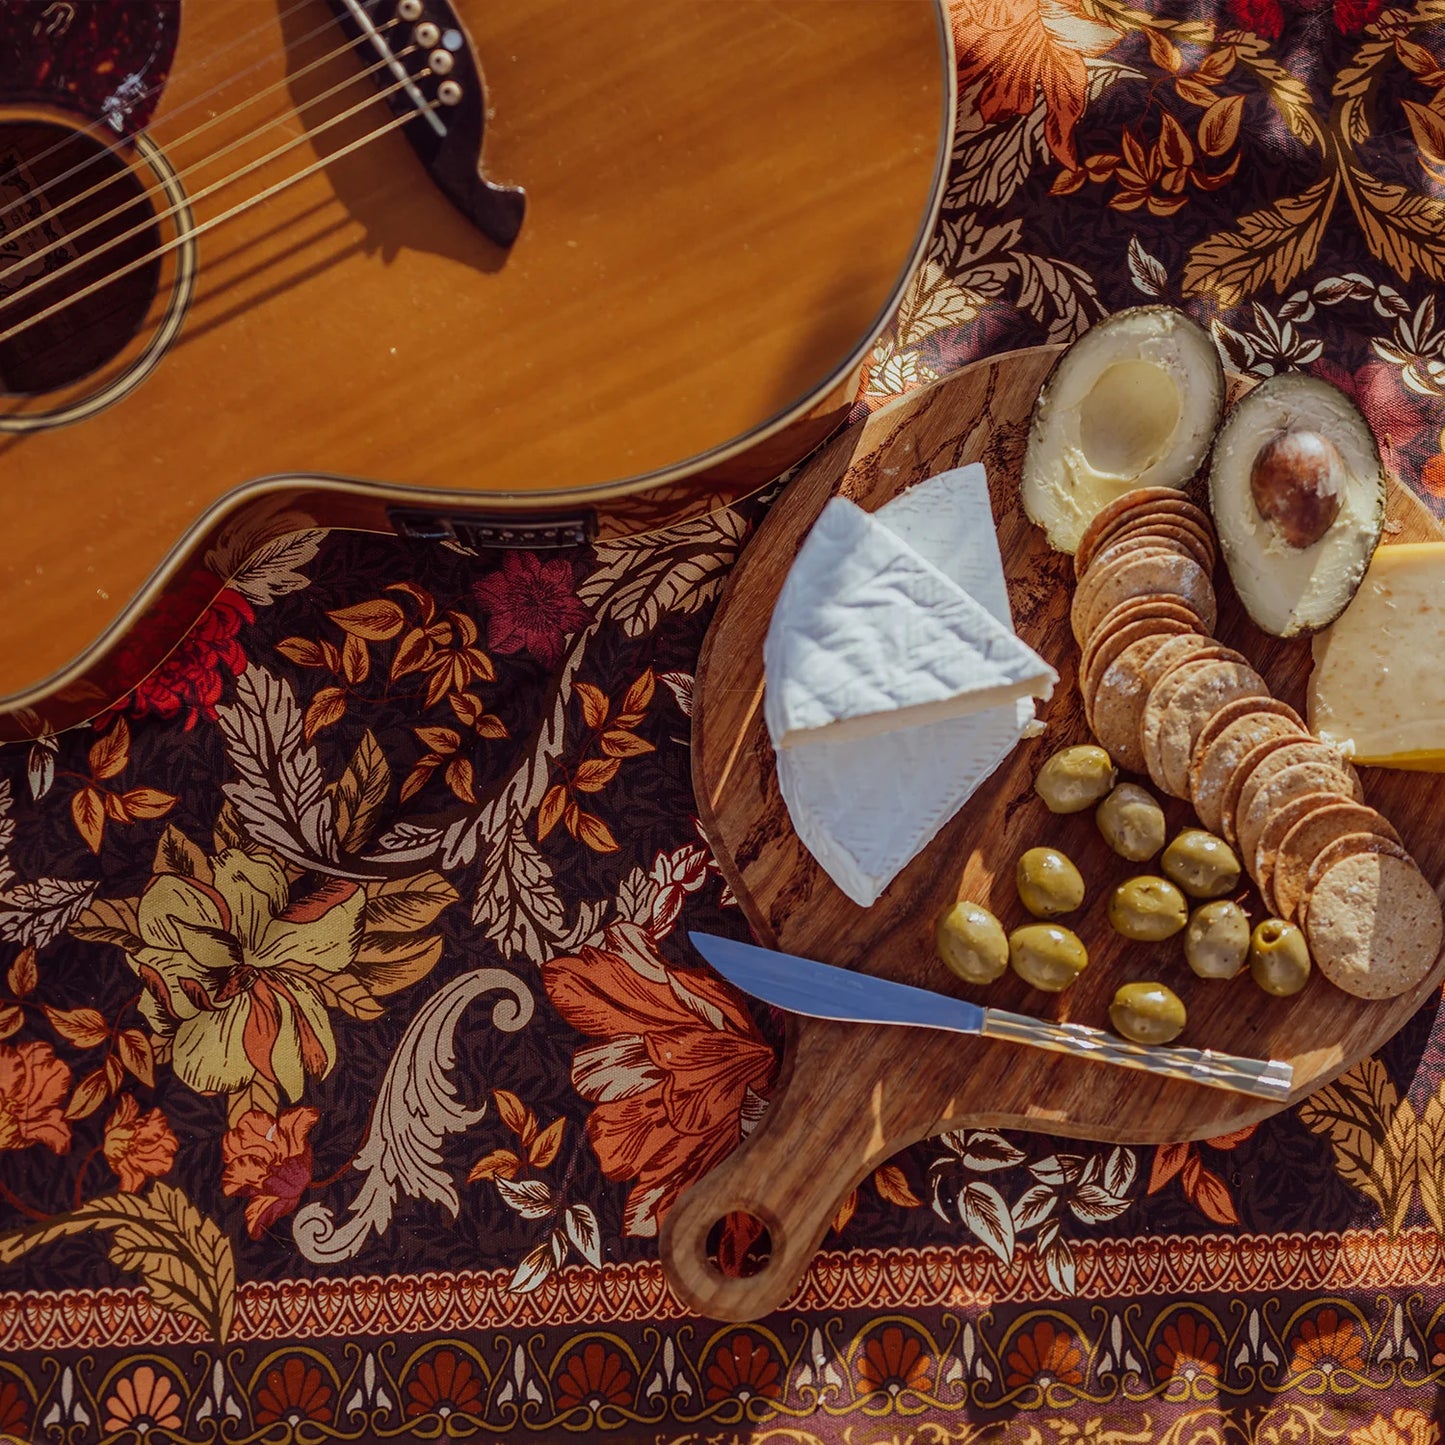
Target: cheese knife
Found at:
821, 991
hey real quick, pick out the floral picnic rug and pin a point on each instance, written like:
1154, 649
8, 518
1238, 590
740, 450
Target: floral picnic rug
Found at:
351, 1049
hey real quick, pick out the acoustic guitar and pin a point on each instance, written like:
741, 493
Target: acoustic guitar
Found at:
524, 273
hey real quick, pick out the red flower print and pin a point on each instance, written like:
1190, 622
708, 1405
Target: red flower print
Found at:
1327, 1341
14, 1410
142, 1401
1044, 1355
445, 1383
268, 1161
33, 1086
891, 1362
189, 682
138, 1147
1260, 17
1396, 415
594, 1376
1187, 1347
531, 606
294, 1392
677, 1056
741, 1368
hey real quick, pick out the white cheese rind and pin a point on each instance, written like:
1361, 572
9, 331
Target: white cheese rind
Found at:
866, 808
868, 636
1379, 669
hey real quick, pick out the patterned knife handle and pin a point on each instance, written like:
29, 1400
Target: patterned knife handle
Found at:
1264, 1078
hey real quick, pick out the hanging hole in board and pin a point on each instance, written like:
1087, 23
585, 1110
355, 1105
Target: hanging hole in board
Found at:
739, 1245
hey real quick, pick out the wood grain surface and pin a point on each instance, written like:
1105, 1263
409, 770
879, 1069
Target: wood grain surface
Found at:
852, 1095
724, 205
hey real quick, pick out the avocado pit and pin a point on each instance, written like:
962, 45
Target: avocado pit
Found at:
1296, 482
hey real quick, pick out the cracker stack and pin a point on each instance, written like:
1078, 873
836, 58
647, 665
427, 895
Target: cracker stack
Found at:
1164, 697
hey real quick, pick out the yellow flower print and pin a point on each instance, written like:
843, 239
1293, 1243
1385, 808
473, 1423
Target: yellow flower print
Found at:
229, 967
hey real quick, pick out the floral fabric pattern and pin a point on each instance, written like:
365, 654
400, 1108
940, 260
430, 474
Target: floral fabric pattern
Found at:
352, 1051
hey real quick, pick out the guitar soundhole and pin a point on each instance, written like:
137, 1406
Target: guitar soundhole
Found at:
78, 256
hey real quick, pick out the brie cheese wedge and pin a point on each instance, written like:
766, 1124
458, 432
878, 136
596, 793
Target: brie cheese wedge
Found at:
865, 808
868, 636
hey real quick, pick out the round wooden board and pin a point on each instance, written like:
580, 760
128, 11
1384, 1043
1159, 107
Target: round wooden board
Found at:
852, 1095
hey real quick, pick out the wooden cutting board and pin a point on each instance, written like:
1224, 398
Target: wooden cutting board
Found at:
852, 1095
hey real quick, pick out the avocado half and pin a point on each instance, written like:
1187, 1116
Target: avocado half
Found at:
1134, 402
1298, 495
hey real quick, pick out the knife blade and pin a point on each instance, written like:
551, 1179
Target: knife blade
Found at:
822, 991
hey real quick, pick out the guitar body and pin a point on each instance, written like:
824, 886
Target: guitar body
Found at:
244, 290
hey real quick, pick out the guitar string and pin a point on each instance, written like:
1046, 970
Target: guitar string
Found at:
26, 261
210, 225
105, 134
304, 138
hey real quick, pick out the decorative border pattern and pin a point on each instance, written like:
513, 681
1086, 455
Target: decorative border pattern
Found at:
895, 1279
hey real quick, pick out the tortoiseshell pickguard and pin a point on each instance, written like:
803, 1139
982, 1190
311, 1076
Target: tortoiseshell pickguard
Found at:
106, 60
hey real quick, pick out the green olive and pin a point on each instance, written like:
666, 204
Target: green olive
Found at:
1148, 1013
1279, 958
1201, 864
1075, 778
1048, 883
1046, 956
1148, 909
971, 942
1217, 941
1132, 822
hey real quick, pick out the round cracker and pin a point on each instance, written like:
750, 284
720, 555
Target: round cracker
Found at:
1114, 644
1138, 609
1135, 574
1209, 783
1232, 712
1260, 861
1171, 527
1168, 526
1085, 612
1142, 501
1310, 837
1193, 703
1124, 689
1253, 776
1348, 846
1312, 775
1161, 697
1243, 771
1135, 609
1374, 925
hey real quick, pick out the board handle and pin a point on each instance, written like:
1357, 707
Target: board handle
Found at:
790, 1174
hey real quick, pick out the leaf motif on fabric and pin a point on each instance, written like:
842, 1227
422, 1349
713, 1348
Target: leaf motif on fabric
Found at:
1058, 1257
983, 1210
892, 1185
40, 773
517, 901
39, 912
1208, 1192
583, 1231
680, 685
1033, 1206
1059, 294
1148, 273
110, 920
416, 1108
1430, 1157
279, 794
23, 973
680, 570
1271, 246
265, 570
536, 1268
1404, 228
984, 1150
1354, 1114
531, 1198
183, 1259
